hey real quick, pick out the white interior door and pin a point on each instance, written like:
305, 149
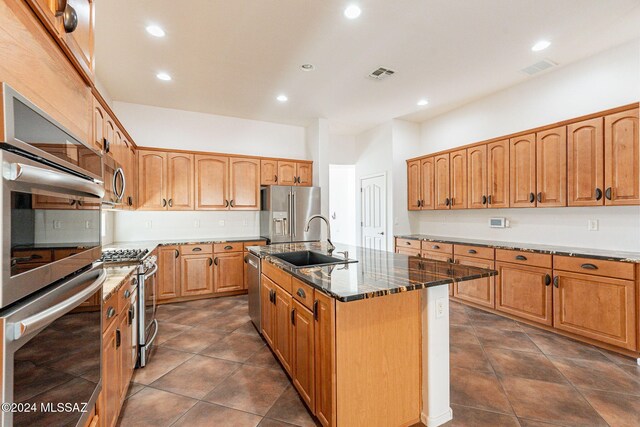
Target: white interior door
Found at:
374, 212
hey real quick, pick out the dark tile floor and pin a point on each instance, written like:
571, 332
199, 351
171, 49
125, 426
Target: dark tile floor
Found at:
211, 368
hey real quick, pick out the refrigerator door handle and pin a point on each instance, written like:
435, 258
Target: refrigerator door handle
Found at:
293, 214
288, 223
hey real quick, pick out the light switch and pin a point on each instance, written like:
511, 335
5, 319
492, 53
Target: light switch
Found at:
221, 223
196, 223
147, 224
57, 224
440, 306
593, 225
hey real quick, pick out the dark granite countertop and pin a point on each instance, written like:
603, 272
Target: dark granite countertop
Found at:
605, 254
377, 273
152, 244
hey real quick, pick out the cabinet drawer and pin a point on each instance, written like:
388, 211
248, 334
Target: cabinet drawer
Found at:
474, 251
277, 275
445, 248
32, 256
256, 243
596, 267
438, 256
408, 243
228, 247
110, 310
523, 257
302, 292
195, 249
408, 251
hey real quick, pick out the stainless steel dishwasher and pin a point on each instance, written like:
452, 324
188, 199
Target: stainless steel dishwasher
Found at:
253, 285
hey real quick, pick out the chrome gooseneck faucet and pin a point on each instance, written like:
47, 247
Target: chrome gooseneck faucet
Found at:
331, 246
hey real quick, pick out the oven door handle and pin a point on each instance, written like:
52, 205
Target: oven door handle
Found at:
47, 316
152, 272
19, 172
155, 333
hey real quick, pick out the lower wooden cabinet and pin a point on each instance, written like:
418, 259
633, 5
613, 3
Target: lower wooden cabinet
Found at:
600, 308
228, 272
267, 313
479, 291
110, 395
325, 359
168, 272
303, 369
524, 291
196, 275
283, 323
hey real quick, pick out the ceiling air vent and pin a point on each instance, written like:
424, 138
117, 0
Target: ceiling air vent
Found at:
381, 73
545, 64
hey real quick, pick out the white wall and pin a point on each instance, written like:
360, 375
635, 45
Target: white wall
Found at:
342, 203
405, 145
607, 80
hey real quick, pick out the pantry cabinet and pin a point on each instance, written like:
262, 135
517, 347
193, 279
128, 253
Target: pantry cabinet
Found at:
622, 159
585, 163
551, 167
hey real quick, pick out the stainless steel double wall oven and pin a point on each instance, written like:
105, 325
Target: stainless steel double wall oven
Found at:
51, 289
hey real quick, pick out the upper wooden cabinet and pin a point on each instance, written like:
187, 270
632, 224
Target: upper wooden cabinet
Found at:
458, 180
522, 171
212, 182
414, 188
585, 163
287, 173
99, 116
244, 183
305, 173
622, 158
477, 176
268, 172
180, 181
165, 180
498, 174
441, 181
551, 167
426, 183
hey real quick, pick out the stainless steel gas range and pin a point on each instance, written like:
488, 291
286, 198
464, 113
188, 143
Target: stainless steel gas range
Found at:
147, 324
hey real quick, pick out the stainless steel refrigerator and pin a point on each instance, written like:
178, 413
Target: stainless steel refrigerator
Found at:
285, 211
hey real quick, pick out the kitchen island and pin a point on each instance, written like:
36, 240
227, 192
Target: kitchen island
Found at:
366, 342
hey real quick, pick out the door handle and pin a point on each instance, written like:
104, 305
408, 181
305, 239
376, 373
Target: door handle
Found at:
484, 200
540, 197
556, 281
532, 197
19, 172
489, 199
275, 178
315, 310
177, 253
301, 293
547, 280
446, 201
589, 266
598, 194
472, 251
231, 203
607, 193
228, 247
419, 203
170, 203
196, 249
381, 233
164, 203
521, 257
118, 338
293, 316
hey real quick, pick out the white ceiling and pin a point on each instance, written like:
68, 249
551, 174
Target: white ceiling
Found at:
233, 57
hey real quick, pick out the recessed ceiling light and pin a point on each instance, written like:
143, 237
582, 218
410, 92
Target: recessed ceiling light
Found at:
352, 11
307, 67
163, 76
541, 45
422, 102
282, 98
155, 31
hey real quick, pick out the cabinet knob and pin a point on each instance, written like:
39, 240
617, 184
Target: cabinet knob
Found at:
301, 293
556, 281
589, 266
70, 19
275, 178
540, 197
170, 203
228, 248
532, 197
521, 257
484, 200
489, 199
598, 194
231, 203
547, 280
472, 251
177, 253
607, 193
164, 203
111, 312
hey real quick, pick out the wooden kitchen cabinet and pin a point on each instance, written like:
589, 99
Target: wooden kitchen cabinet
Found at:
303, 359
267, 310
477, 177
479, 291
268, 172
524, 291
152, 184
244, 183
110, 395
80, 40
228, 272
325, 359
304, 173
441, 181
600, 308
124, 353
458, 180
168, 272
622, 159
585, 163
283, 323
99, 115
212, 185
196, 275
287, 173
414, 187
179, 180
498, 174
522, 171
551, 167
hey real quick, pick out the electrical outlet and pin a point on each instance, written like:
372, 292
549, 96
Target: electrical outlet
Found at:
592, 225
196, 223
57, 224
147, 224
245, 222
221, 223
87, 225
440, 306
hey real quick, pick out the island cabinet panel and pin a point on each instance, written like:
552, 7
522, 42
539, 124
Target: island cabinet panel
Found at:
152, 185
110, 395
378, 361
267, 312
168, 272
126, 367
268, 172
426, 181
498, 174
551, 167
622, 158
599, 308
303, 358
287, 173
196, 273
477, 177
479, 291
585, 163
244, 183
441, 181
283, 322
179, 181
211, 175
458, 180
525, 291
304, 173
522, 171
414, 189
325, 359
228, 272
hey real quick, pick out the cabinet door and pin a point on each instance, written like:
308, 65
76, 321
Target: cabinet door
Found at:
524, 291
109, 133
124, 352
228, 272
426, 183
551, 167
268, 172
477, 179
98, 124
458, 182
441, 181
522, 167
479, 291
152, 186
303, 368
622, 159
180, 181
244, 184
325, 359
283, 323
304, 173
599, 308
80, 40
132, 178
287, 173
168, 272
414, 188
267, 310
498, 174
110, 377
196, 275
212, 185
585, 163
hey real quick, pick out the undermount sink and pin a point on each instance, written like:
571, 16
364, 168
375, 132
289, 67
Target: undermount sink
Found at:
302, 259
